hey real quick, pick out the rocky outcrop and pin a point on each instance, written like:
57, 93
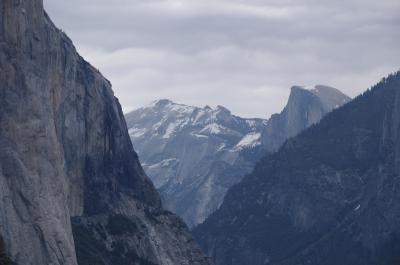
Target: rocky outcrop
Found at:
194, 155
66, 152
328, 196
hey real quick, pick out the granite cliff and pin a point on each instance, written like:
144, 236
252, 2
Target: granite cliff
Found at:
66, 155
305, 107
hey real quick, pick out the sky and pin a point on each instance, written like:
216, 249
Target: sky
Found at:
241, 54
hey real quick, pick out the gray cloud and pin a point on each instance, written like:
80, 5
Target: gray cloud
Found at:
243, 54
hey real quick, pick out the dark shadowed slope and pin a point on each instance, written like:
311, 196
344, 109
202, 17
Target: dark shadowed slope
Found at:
328, 196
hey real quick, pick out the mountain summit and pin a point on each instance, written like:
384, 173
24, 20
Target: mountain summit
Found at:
194, 155
188, 152
304, 108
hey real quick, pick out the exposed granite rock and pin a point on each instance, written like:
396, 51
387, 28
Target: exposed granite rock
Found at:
328, 196
66, 152
194, 155
305, 107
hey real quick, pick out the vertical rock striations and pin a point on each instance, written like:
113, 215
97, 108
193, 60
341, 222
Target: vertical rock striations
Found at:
328, 196
65, 152
305, 107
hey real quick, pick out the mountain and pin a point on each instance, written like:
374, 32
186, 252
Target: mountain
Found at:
194, 155
328, 196
305, 107
72, 190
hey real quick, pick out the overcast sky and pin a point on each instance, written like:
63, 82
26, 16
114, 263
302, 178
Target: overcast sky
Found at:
242, 54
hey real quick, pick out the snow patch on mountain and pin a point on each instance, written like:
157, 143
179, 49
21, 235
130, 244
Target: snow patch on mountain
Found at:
173, 127
214, 128
251, 140
164, 163
188, 153
136, 132
199, 135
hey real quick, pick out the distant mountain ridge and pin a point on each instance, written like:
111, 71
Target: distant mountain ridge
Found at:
194, 155
184, 148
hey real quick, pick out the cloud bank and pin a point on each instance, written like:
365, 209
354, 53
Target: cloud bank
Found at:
243, 54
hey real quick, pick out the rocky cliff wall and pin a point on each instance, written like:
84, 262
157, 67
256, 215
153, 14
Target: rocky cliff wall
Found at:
66, 152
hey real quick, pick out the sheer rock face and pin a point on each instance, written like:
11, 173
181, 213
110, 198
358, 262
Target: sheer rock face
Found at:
66, 152
328, 196
194, 155
305, 107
